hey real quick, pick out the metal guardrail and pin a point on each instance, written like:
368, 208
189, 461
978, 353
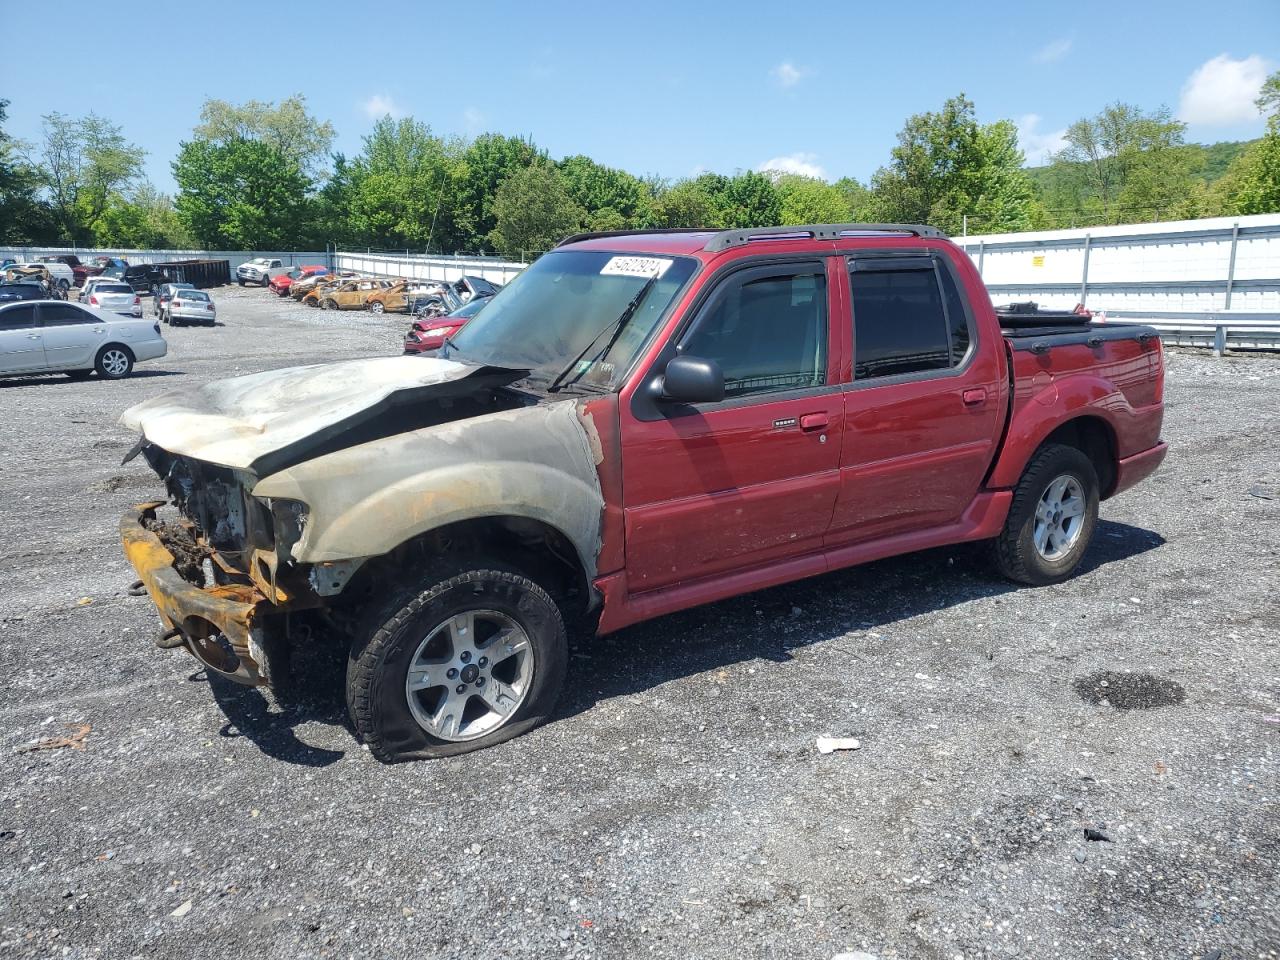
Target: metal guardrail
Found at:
1218, 331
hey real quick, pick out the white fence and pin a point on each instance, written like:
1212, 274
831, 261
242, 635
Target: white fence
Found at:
236, 257
1212, 282
427, 268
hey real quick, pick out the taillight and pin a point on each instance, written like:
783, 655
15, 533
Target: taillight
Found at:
176, 303
211, 306
93, 301
136, 299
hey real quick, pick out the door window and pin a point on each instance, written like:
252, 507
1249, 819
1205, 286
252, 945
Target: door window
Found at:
899, 323
63, 315
768, 333
19, 317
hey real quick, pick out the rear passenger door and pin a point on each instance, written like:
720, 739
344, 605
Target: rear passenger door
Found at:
752, 479
71, 335
923, 413
21, 345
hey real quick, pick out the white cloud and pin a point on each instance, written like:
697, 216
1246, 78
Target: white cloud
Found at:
1053, 51
788, 74
1221, 91
473, 121
1037, 145
380, 105
804, 164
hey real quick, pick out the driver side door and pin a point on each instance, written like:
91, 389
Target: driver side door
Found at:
752, 479
21, 341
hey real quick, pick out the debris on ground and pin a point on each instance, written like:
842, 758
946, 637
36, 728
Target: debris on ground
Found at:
832, 744
74, 740
1096, 836
182, 911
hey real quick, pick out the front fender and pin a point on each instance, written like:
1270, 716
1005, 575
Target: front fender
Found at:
1046, 407
364, 501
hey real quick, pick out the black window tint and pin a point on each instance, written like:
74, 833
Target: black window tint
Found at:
956, 317
767, 334
19, 317
898, 323
63, 314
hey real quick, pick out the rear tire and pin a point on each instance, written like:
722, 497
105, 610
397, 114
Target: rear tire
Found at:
329, 305
114, 362
1052, 518
377, 306
491, 633
241, 282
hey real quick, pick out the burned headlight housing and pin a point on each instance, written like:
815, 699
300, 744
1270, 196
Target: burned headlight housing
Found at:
288, 519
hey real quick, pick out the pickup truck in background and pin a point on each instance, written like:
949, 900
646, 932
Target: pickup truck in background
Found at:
260, 270
637, 424
80, 272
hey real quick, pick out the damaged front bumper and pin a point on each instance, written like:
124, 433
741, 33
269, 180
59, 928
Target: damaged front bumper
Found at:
220, 625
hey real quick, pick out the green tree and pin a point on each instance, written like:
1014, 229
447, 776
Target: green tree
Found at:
287, 128
407, 188
691, 203
145, 220
809, 200
614, 195
488, 161
534, 211
83, 162
946, 166
240, 195
24, 218
750, 200
1130, 163
1252, 182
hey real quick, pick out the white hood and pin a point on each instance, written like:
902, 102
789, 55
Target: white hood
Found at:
247, 421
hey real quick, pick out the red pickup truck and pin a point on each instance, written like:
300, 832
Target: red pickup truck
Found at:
638, 423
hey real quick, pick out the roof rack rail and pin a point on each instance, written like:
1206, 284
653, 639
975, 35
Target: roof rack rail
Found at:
816, 231
597, 234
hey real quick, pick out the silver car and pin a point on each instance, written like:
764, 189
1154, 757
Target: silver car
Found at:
190, 306
47, 336
115, 297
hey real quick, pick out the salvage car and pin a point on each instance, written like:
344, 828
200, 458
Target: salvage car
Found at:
430, 333
395, 298
22, 290
191, 306
281, 283
115, 296
637, 424
260, 270
57, 275
79, 271
165, 294
52, 336
344, 296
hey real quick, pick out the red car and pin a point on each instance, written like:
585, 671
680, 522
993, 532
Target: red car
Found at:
429, 333
280, 284
639, 423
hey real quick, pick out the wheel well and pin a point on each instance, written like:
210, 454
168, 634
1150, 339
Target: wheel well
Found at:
537, 550
122, 346
1094, 437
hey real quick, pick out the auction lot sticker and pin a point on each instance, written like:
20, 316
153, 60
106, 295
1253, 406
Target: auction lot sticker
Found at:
635, 267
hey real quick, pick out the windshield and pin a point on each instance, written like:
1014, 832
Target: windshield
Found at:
549, 314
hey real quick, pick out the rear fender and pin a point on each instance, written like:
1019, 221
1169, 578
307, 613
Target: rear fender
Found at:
1045, 410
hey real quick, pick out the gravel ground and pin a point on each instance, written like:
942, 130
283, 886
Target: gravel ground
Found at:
676, 805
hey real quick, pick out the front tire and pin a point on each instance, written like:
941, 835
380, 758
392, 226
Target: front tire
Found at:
1052, 518
241, 282
465, 663
377, 306
114, 362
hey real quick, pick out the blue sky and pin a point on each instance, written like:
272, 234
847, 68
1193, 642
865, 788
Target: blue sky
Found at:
656, 87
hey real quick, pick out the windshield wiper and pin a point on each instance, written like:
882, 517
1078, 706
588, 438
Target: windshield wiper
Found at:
617, 326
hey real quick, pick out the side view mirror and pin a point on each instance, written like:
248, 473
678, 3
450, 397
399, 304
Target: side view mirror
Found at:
692, 380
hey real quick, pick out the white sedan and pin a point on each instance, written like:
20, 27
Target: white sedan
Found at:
49, 336
190, 306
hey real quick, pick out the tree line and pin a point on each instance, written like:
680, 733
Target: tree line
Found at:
264, 176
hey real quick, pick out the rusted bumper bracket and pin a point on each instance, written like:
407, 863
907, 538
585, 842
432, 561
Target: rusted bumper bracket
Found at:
217, 624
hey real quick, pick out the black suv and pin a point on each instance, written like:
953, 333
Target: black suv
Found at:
9, 292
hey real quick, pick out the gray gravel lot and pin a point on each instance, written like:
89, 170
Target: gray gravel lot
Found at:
675, 806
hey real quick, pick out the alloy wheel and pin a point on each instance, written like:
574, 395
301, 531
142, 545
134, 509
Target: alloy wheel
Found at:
469, 675
1060, 517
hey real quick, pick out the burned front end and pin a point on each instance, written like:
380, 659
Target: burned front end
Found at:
215, 561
